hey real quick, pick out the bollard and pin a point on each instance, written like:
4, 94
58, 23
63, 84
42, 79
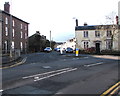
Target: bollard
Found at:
61, 51
77, 51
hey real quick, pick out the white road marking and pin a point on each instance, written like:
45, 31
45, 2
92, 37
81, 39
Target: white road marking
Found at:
1, 90
93, 64
85, 57
44, 73
59, 93
55, 74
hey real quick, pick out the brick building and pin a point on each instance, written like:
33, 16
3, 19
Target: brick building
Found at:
14, 31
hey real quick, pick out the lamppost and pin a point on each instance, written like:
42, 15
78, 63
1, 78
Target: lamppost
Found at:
76, 45
50, 38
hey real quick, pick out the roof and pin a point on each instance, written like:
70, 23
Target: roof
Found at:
92, 27
15, 17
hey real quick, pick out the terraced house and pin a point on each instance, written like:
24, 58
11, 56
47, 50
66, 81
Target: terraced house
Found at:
14, 31
100, 37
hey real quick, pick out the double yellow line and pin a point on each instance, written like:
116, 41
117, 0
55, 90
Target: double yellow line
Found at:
112, 90
16, 64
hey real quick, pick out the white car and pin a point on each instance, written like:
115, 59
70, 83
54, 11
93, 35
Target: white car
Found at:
48, 49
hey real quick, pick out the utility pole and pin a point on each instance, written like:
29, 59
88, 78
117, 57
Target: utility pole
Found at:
50, 38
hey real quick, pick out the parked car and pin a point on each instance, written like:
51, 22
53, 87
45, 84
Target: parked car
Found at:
56, 49
48, 49
69, 50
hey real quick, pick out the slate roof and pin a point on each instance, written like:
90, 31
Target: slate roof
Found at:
14, 16
92, 27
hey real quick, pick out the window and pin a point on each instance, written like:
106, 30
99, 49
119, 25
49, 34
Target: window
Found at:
25, 27
13, 32
6, 31
13, 23
21, 46
6, 20
13, 46
21, 34
97, 33
25, 35
21, 26
6, 46
108, 44
85, 33
109, 33
86, 45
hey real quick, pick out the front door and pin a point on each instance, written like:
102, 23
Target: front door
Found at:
97, 48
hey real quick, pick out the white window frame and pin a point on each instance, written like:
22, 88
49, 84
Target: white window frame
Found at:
21, 46
6, 20
13, 45
97, 33
25, 27
21, 26
85, 33
13, 23
26, 36
13, 32
6, 31
6, 44
21, 34
109, 33
108, 44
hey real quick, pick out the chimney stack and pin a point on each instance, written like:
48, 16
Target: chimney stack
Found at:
117, 22
85, 24
7, 7
76, 22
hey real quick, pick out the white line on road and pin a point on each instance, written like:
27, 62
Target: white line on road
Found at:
45, 73
93, 64
56, 74
1, 90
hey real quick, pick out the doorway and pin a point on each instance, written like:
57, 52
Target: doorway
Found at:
97, 45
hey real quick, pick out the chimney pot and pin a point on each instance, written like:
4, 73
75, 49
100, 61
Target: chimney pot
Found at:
7, 7
76, 22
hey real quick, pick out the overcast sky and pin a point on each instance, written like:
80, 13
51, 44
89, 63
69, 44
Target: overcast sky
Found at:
57, 15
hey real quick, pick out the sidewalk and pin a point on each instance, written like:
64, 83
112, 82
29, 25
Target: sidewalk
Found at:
107, 57
7, 61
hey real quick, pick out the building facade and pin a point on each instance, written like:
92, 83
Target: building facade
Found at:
100, 37
14, 31
69, 43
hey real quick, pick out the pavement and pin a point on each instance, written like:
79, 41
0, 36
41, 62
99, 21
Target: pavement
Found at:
7, 61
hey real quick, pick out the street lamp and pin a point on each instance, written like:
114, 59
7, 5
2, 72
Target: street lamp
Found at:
76, 45
50, 38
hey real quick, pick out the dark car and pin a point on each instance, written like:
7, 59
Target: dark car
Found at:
69, 50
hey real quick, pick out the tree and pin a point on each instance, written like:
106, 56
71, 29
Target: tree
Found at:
111, 28
114, 27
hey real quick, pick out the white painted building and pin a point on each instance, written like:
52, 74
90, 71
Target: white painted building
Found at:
97, 36
69, 43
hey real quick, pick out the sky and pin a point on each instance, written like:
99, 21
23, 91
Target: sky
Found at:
57, 15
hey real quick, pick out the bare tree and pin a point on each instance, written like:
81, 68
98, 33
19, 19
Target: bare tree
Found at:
111, 27
113, 20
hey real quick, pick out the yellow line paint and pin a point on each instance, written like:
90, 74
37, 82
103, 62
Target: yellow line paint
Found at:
110, 89
114, 91
23, 61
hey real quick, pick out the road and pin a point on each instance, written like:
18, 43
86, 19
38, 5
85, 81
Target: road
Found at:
52, 73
